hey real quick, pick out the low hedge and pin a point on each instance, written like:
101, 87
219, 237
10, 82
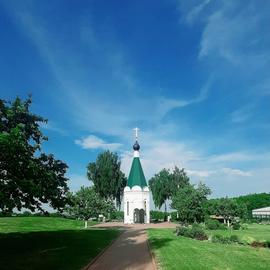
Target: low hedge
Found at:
212, 224
234, 239
195, 232
217, 238
117, 215
157, 215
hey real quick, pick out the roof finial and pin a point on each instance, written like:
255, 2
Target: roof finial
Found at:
136, 146
136, 132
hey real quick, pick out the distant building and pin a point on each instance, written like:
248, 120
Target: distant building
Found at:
263, 213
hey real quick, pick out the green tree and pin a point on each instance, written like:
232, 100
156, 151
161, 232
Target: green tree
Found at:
189, 202
227, 208
87, 203
28, 177
108, 179
165, 184
242, 210
160, 187
178, 180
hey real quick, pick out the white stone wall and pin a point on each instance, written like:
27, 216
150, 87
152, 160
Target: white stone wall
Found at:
137, 198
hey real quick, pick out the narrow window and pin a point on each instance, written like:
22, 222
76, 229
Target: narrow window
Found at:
128, 208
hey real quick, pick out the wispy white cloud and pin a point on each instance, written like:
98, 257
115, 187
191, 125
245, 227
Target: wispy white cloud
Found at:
226, 171
165, 104
94, 142
235, 38
196, 10
237, 172
53, 127
244, 113
233, 157
200, 173
231, 31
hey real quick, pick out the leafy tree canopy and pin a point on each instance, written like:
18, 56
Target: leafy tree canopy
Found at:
108, 179
166, 183
159, 185
227, 208
87, 203
28, 177
189, 202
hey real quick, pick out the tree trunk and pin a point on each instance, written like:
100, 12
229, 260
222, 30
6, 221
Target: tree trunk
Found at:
85, 224
228, 222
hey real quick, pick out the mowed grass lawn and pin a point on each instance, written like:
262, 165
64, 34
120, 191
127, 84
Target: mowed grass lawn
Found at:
175, 252
49, 243
34, 224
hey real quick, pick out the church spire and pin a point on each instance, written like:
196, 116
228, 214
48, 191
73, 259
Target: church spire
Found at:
136, 146
136, 175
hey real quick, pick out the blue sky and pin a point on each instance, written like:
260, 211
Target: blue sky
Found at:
192, 75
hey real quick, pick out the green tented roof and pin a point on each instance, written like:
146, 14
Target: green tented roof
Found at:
136, 175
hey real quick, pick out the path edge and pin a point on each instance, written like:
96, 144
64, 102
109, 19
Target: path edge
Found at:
153, 257
102, 252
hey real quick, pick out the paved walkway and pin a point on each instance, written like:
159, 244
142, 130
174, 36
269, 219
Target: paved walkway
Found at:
130, 251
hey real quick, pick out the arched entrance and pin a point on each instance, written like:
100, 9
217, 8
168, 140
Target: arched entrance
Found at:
139, 215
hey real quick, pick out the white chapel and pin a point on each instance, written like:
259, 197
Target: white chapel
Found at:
136, 193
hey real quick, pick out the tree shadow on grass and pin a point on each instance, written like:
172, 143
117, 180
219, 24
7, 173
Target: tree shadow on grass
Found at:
67, 249
158, 243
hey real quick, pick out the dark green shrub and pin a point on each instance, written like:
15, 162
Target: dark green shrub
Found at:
212, 224
198, 233
117, 215
236, 226
157, 215
217, 238
182, 231
174, 216
195, 232
222, 226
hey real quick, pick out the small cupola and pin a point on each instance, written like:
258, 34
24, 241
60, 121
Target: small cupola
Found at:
136, 146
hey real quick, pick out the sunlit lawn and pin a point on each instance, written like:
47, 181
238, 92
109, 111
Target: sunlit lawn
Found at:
174, 252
